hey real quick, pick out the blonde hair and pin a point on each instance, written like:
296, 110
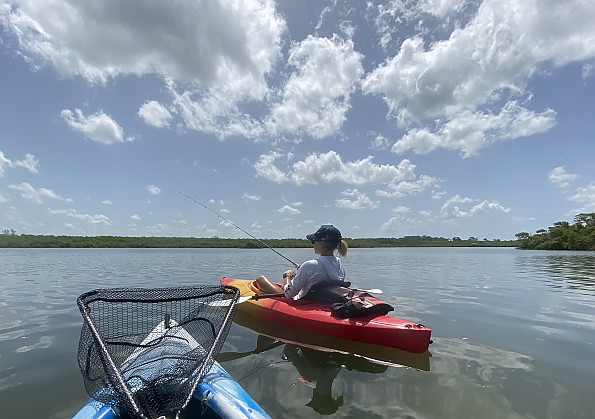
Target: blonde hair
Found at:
341, 248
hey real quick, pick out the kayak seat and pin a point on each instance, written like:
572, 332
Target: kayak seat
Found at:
354, 308
328, 292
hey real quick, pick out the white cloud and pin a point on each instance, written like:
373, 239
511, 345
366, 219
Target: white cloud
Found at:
471, 131
380, 143
265, 168
3, 198
488, 206
92, 219
393, 14
355, 199
316, 96
37, 195
155, 114
586, 196
487, 61
214, 42
211, 55
560, 178
135, 217
286, 209
329, 167
153, 190
452, 208
404, 188
497, 50
98, 127
396, 223
440, 8
106, 202
401, 209
438, 194
4, 163
251, 198
29, 162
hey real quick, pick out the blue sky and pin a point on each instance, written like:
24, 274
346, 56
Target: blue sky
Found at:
432, 117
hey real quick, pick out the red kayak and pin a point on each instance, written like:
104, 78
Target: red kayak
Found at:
317, 317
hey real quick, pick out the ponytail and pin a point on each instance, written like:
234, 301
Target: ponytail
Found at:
342, 248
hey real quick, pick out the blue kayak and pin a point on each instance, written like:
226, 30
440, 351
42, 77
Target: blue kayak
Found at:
221, 395
218, 394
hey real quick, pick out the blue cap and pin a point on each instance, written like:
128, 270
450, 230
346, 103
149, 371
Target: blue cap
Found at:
327, 233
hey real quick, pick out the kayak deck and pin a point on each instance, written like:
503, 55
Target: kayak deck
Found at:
317, 317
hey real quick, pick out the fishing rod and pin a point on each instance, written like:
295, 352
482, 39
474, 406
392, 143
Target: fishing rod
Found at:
240, 228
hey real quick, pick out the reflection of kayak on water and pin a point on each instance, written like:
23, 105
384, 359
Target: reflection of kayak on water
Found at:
318, 366
372, 326
354, 355
317, 369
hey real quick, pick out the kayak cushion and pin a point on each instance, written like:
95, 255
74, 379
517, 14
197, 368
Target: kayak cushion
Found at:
353, 308
328, 291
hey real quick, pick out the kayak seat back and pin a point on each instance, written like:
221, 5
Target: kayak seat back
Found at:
330, 291
354, 308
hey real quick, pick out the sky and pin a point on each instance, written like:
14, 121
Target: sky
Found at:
446, 118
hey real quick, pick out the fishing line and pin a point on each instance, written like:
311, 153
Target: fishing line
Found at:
239, 228
272, 364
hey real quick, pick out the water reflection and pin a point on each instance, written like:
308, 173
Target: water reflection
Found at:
317, 369
560, 270
529, 317
317, 360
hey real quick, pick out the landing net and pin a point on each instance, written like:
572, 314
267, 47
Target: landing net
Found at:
144, 351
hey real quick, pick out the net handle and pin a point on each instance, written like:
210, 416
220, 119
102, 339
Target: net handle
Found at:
224, 327
107, 360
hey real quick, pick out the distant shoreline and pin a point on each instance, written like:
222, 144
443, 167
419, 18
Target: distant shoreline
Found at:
48, 241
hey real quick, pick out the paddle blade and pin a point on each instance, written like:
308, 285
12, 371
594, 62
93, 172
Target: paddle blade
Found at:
225, 303
372, 291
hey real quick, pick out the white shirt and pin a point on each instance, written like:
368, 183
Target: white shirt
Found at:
313, 271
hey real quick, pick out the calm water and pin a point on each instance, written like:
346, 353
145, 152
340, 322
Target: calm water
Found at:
513, 331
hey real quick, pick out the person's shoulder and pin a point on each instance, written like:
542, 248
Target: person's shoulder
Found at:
309, 264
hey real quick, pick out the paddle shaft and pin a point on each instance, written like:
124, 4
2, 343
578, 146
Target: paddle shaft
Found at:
280, 294
240, 228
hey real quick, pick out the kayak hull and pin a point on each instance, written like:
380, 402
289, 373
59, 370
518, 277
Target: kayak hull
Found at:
375, 354
316, 317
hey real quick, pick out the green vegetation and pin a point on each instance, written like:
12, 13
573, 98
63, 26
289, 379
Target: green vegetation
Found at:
562, 235
9, 238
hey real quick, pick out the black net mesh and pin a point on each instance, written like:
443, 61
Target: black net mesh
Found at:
146, 350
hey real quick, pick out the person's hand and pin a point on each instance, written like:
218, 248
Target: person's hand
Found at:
288, 275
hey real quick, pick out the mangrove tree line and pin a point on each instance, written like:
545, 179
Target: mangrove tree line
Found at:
562, 235
11, 240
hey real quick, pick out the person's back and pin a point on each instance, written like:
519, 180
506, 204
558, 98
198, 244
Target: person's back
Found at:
327, 267
312, 272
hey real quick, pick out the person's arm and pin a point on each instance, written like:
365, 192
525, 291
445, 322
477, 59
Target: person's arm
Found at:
295, 284
288, 276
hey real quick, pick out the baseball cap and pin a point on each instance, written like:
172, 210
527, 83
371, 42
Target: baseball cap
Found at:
327, 233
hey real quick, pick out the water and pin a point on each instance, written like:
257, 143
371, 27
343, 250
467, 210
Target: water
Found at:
513, 331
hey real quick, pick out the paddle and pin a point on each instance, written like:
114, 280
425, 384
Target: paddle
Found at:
245, 298
370, 291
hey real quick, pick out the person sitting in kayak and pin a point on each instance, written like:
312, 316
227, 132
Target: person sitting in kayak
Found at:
327, 267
